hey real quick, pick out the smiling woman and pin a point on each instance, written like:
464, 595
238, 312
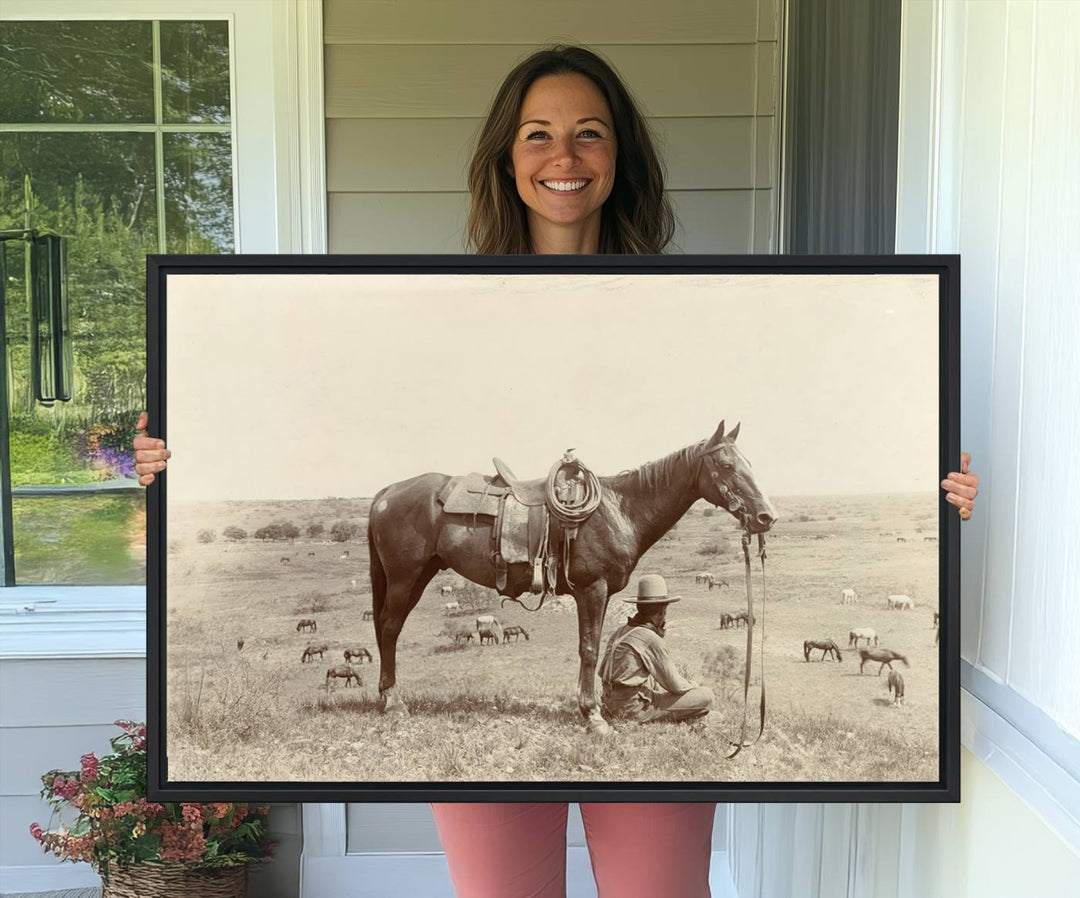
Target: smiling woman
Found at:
565, 164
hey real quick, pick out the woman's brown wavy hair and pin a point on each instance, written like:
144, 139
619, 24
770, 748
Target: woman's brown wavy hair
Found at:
636, 218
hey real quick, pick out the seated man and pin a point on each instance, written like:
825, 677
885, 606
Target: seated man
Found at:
640, 681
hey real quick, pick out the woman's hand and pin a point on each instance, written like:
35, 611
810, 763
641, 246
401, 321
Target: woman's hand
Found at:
960, 488
150, 453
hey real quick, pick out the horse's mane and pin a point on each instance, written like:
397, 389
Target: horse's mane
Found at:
658, 475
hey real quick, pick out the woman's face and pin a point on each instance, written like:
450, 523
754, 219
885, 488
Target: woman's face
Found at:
563, 154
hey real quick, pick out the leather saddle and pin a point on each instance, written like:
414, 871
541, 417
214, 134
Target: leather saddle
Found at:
527, 492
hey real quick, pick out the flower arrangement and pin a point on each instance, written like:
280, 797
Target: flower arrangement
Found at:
116, 825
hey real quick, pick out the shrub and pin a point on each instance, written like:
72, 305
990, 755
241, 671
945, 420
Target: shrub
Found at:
206, 537
709, 549
343, 531
234, 533
314, 531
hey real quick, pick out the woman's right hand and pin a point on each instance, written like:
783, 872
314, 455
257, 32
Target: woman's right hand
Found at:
150, 453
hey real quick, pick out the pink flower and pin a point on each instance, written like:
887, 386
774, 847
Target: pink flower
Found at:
36, 832
66, 789
89, 768
192, 813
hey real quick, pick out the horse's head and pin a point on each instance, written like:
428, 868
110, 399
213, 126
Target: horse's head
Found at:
726, 479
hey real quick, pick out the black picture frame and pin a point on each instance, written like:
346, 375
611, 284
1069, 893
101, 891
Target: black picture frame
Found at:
944, 268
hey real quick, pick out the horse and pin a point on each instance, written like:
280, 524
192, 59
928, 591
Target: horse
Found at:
446, 590
899, 603
703, 577
312, 650
718, 583
489, 633
726, 621
343, 671
739, 619
867, 633
514, 631
411, 539
935, 623
360, 653
464, 635
239, 644
901, 539
368, 614
344, 555
848, 597
307, 624
827, 646
885, 656
284, 560
896, 686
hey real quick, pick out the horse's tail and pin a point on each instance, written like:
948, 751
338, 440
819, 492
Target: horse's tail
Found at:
378, 579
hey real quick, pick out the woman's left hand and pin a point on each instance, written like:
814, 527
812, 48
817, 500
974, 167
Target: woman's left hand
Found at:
962, 487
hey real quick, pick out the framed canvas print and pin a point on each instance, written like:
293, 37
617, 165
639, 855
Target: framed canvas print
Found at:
454, 528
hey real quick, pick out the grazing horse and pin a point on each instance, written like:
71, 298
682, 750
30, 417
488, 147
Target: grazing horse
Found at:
285, 560
344, 555
718, 583
489, 633
899, 603
368, 614
867, 633
703, 577
726, 621
446, 590
239, 644
740, 619
848, 597
312, 650
360, 653
901, 539
307, 624
935, 623
896, 686
514, 631
464, 636
451, 607
310, 554
885, 656
411, 538
827, 646
343, 671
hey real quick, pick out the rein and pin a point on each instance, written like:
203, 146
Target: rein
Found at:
742, 743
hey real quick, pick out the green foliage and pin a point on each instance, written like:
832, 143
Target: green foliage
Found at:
116, 824
234, 534
314, 531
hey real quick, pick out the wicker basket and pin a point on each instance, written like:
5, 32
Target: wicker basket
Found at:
174, 881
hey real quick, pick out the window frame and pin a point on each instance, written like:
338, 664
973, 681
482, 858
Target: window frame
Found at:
276, 95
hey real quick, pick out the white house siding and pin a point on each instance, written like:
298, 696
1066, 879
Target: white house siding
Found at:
408, 83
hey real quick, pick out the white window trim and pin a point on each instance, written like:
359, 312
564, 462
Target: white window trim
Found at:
278, 140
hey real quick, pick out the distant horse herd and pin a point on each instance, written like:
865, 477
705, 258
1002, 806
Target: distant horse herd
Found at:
883, 656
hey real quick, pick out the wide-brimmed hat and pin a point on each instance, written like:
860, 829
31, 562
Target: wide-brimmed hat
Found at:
652, 590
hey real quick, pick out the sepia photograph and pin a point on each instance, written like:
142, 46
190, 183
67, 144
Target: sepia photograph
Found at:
600, 528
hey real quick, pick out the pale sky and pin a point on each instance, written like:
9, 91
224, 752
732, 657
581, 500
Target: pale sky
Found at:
309, 386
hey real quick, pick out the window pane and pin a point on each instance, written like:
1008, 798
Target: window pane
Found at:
76, 72
195, 72
198, 193
98, 191
81, 540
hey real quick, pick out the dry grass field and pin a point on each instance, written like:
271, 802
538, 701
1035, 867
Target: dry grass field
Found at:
509, 712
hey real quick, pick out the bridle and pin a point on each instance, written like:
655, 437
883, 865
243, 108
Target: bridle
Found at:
728, 499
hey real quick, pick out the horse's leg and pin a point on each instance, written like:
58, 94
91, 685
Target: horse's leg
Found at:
591, 606
401, 597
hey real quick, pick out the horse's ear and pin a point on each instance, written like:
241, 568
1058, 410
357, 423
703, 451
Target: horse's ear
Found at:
715, 439
734, 433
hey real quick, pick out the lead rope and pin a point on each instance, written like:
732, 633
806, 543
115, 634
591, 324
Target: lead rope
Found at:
742, 743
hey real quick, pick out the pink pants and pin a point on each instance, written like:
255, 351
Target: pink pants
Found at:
519, 850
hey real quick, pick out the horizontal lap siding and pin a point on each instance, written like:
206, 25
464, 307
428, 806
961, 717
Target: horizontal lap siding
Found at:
408, 84
54, 712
